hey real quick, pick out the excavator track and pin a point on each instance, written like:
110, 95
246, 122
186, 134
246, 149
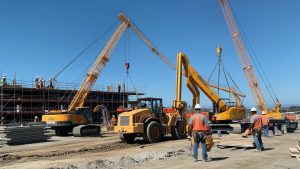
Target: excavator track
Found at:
86, 130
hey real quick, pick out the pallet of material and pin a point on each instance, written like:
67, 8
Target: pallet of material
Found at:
295, 152
16, 135
245, 143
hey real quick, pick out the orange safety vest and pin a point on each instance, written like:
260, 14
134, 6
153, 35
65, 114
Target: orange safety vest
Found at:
258, 123
264, 119
198, 124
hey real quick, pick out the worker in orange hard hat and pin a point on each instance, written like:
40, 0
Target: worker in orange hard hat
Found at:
256, 127
265, 123
200, 129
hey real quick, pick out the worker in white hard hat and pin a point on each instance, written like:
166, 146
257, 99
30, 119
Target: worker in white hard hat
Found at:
265, 122
200, 128
3, 81
36, 119
256, 127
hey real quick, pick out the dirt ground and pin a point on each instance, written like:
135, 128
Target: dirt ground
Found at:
107, 151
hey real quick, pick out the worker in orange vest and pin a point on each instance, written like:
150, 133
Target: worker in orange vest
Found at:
256, 127
200, 128
265, 123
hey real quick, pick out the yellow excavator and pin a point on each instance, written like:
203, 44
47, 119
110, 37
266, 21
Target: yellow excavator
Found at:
225, 116
76, 118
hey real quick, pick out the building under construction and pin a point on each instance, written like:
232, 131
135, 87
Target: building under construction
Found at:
22, 101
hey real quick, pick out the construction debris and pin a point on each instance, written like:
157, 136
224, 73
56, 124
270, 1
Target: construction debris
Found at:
16, 135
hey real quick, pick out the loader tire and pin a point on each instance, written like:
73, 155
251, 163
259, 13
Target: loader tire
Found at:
152, 132
178, 131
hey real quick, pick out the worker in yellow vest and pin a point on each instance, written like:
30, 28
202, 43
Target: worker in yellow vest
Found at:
256, 127
200, 128
265, 123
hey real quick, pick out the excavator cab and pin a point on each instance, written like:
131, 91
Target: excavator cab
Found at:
86, 112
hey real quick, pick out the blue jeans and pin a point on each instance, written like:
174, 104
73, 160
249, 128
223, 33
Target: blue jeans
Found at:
204, 151
266, 130
258, 142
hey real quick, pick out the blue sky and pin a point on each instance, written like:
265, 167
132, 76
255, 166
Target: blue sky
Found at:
40, 37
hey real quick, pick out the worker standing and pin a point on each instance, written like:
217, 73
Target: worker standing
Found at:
3, 81
265, 123
37, 85
256, 127
200, 128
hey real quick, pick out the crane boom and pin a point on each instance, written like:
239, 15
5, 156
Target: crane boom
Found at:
104, 57
243, 55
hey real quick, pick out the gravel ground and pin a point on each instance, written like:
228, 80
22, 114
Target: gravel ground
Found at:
108, 152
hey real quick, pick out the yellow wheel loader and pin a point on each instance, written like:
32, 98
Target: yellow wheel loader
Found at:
149, 121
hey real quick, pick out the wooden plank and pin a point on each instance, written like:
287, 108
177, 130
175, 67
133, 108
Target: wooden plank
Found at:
298, 147
298, 157
293, 155
294, 150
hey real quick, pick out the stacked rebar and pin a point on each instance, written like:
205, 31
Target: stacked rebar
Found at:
17, 135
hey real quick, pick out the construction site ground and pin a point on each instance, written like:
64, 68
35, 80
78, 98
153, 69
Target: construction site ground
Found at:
106, 151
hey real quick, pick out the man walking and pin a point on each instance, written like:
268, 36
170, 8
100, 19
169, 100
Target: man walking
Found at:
265, 123
256, 127
200, 128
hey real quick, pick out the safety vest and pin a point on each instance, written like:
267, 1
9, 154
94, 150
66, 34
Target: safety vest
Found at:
258, 122
198, 123
265, 120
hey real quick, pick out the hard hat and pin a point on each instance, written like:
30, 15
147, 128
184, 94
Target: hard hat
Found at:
4, 75
37, 77
253, 109
197, 106
36, 117
263, 112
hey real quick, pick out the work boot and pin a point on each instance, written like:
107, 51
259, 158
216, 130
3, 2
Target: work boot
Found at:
195, 160
207, 160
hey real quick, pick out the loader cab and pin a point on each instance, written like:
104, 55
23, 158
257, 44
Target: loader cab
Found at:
154, 105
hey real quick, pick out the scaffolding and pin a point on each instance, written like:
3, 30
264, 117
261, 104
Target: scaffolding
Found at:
22, 100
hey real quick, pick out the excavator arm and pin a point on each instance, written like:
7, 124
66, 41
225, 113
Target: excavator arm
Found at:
194, 81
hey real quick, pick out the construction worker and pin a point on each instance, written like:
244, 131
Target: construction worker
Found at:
265, 123
256, 127
37, 85
36, 119
200, 128
3, 81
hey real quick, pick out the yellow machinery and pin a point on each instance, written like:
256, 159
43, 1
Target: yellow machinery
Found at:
149, 121
223, 113
76, 117
276, 117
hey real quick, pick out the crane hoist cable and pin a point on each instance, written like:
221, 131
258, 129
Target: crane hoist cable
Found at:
83, 51
220, 65
93, 42
256, 62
